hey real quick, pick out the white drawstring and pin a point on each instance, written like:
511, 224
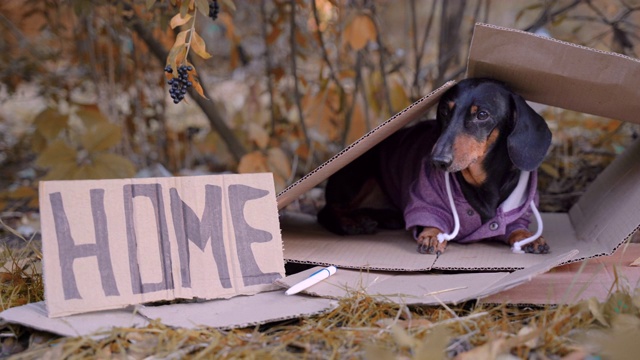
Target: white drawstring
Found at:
517, 246
442, 237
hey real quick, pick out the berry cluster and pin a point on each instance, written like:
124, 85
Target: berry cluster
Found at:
180, 84
214, 9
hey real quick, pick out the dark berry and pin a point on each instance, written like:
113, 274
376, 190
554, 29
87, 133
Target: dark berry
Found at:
214, 9
175, 101
170, 82
189, 68
168, 69
189, 84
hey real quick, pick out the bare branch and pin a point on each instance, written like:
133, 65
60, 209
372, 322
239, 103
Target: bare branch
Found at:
294, 72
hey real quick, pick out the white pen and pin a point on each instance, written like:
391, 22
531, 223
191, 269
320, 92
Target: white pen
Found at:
313, 279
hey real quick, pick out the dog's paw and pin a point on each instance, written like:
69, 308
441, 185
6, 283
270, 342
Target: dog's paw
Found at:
360, 225
538, 246
428, 242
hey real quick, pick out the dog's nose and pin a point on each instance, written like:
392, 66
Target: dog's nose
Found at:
442, 162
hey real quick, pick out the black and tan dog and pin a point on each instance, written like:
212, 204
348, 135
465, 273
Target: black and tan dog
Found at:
485, 135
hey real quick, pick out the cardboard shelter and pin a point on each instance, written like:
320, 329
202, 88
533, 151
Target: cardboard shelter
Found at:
542, 70
387, 265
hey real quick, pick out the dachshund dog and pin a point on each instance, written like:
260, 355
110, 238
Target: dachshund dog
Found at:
486, 138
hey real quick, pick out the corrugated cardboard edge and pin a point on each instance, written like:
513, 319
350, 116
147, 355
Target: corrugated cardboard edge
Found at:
97, 324
422, 289
239, 312
360, 146
309, 243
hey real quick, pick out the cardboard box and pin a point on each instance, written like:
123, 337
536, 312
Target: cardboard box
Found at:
542, 70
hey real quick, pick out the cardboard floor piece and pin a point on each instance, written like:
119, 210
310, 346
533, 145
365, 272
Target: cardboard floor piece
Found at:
236, 312
34, 315
241, 311
419, 288
571, 283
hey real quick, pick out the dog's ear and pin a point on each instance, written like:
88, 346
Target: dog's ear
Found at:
530, 138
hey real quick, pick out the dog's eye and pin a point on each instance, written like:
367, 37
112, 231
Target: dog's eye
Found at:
482, 115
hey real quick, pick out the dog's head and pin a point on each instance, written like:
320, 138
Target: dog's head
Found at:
475, 114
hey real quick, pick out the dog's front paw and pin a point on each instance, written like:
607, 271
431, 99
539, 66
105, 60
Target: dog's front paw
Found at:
538, 246
428, 242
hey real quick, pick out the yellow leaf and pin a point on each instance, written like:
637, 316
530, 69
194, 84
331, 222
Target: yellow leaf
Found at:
101, 137
50, 122
550, 170
228, 4
399, 98
62, 171
184, 8
359, 31
198, 45
55, 154
111, 166
280, 166
38, 142
177, 52
90, 115
253, 162
258, 134
178, 20
203, 6
22, 192
273, 35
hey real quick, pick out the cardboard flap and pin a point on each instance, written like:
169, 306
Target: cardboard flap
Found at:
241, 311
609, 212
97, 324
521, 276
411, 113
557, 73
404, 288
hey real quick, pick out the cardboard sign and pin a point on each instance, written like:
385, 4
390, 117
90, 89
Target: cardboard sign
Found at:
111, 243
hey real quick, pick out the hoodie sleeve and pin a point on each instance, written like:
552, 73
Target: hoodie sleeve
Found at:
427, 204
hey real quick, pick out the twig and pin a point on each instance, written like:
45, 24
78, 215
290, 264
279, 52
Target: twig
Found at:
349, 114
419, 51
323, 48
381, 61
548, 16
294, 73
268, 65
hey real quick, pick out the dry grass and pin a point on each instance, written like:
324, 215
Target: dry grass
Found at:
358, 327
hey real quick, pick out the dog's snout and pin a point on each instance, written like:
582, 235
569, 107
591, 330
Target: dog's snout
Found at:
442, 162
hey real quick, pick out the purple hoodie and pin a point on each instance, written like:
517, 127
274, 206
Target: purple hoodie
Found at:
420, 190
